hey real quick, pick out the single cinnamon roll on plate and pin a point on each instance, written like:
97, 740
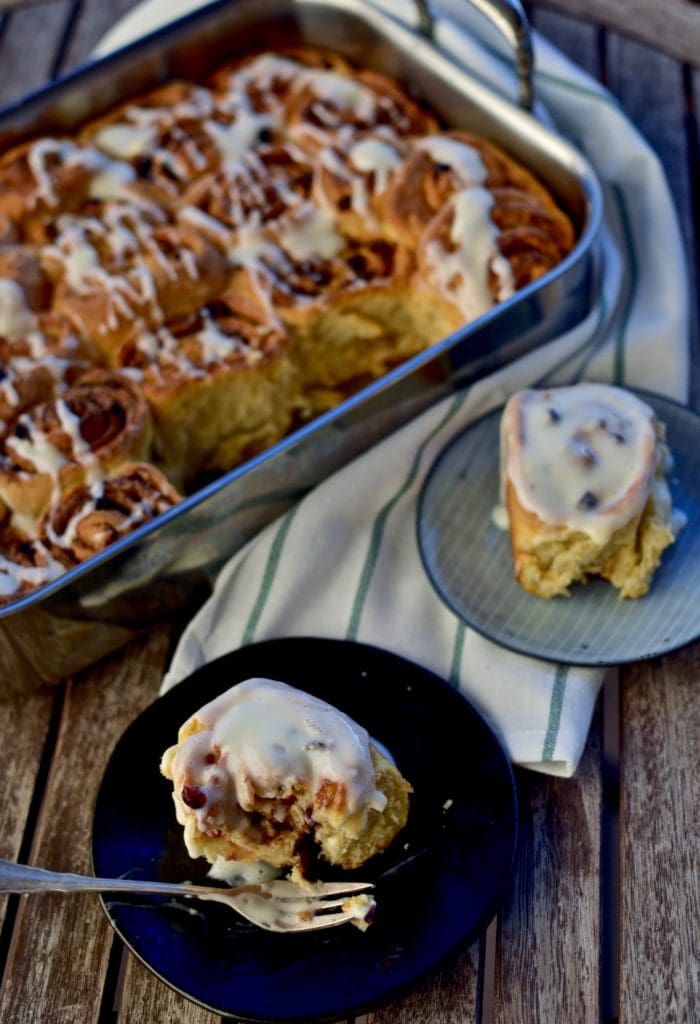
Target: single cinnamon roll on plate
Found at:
584, 485
85, 521
266, 772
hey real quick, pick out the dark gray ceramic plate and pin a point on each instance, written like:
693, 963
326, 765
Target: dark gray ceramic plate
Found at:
469, 561
438, 885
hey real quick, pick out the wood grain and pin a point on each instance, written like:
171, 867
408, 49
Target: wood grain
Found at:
548, 965
660, 817
448, 998
672, 26
24, 723
29, 46
146, 999
60, 944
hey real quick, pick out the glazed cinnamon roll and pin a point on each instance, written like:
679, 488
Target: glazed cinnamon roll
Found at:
583, 473
25, 565
86, 433
219, 387
444, 164
261, 186
352, 182
325, 107
49, 175
482, 225
40, 365
126, 263
90, 518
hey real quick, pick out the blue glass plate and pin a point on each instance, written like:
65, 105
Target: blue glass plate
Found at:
469, 559
438, 885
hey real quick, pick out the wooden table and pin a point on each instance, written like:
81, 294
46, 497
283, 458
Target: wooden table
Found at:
604, 917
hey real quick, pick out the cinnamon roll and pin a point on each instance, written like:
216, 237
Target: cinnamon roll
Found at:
266, 772
25, 565
40, 364
47, 176
260, 186
88, 432
89, 518
352, 182
126, 263
219, 387
583, 473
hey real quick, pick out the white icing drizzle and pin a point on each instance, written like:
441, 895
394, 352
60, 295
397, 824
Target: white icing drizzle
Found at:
461, 274
310, 233
107, 176
13, 576
583, 457
374, 156
233, 141
209, 226
126, 141
16, 319
463, 160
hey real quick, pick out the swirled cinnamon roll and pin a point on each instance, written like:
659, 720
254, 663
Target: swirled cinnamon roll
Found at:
483, 227
25, 565
126, 263
583, 480
48, 175
263, 82
260, 186
352, 182
90, 518
219, 387
40, 364
174, 135
344, 299
442, 165
86, 433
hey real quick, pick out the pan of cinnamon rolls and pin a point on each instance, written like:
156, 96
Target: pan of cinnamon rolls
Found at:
236, 254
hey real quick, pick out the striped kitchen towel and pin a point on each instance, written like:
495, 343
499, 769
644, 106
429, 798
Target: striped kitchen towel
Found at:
344, 562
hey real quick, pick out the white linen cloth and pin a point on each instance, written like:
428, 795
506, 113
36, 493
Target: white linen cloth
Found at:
344, 562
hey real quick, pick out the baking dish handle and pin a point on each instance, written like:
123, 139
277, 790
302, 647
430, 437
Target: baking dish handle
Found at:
511, 21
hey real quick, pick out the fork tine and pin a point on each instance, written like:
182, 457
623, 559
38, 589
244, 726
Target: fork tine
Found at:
318, 921
284, 890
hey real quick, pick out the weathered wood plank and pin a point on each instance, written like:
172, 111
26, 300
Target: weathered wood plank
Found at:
60, 945
28, 47
660, 815
575, 38
672, 26
24, 722
145, 998
547, 968
450, 997
92, 23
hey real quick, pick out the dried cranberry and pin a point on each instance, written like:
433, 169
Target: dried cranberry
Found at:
193, 797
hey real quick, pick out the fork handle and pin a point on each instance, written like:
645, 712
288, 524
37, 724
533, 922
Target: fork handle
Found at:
23, 878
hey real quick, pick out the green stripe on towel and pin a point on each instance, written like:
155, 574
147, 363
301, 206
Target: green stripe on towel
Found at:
556, 704
380, 521
620, 340
268, 579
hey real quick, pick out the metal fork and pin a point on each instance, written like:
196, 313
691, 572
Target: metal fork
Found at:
277, 906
